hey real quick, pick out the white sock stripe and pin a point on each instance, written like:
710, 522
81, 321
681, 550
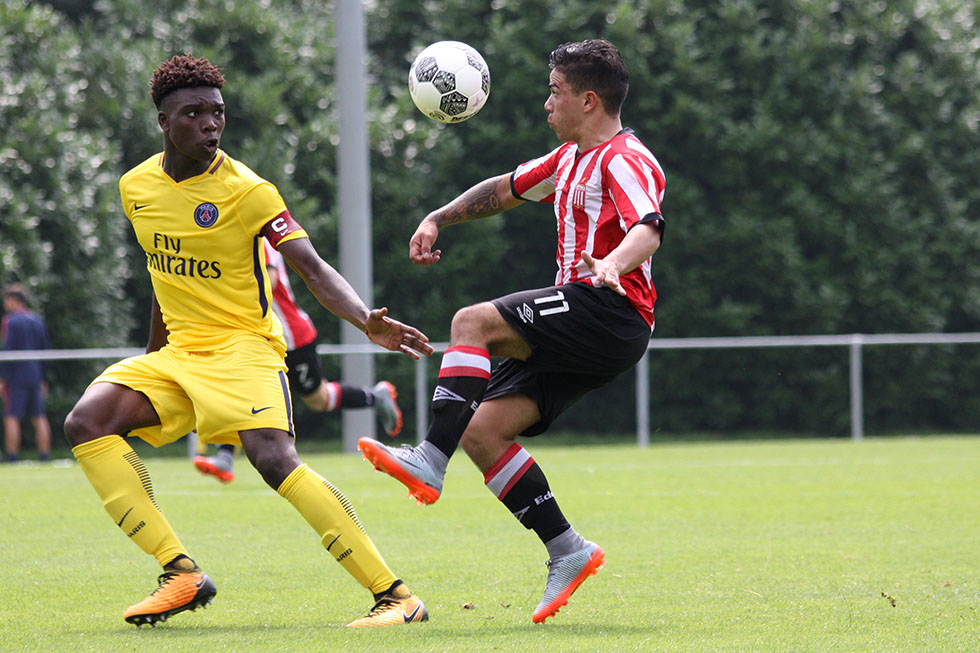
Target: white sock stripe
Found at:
502, 481
454, 358
333, 395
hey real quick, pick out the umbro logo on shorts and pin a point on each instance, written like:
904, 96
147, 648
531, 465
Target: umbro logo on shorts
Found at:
525, 313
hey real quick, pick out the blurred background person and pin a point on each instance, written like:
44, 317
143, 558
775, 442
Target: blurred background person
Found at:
22, 382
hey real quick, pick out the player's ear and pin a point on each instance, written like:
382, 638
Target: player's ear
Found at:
590, 101
163, 120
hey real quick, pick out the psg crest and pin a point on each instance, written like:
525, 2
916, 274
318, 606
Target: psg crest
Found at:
206, 214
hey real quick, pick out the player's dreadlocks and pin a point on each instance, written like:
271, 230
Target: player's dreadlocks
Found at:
183, 71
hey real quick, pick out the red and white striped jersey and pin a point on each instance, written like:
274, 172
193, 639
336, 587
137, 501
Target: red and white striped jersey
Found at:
296, 323
598, 195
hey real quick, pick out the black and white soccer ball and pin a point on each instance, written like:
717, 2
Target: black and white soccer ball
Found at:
449, 81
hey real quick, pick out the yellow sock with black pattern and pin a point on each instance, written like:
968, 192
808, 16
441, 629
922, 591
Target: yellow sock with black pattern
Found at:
119, 476
332, 516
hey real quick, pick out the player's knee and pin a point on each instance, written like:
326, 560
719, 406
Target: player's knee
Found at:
272, 469
78, 428
472, 322
471, 444
272, 456
483, 445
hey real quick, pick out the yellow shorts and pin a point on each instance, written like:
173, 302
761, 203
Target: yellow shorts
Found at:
218, 393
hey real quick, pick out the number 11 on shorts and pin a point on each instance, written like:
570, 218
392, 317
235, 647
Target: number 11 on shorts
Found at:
557, 297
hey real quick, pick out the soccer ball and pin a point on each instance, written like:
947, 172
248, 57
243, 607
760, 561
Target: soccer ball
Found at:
449, 81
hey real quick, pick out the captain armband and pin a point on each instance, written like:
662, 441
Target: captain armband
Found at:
280, 227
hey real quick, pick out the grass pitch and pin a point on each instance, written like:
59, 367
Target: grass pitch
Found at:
772, 546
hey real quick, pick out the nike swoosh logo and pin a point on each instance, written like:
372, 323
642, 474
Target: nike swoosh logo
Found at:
411, 617
332, 542
119, 523
137, 207
199, 583
413, 465
256, 411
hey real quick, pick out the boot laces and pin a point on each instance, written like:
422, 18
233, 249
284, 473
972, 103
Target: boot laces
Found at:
382, 606
164, 580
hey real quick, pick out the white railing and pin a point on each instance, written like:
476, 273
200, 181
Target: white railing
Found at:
855, 342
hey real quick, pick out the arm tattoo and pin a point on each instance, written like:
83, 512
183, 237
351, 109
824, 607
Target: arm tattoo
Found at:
479, 201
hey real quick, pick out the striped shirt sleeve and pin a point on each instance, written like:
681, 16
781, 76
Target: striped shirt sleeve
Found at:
535, 180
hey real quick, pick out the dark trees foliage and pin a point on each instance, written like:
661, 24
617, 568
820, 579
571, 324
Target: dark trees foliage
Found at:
822, 161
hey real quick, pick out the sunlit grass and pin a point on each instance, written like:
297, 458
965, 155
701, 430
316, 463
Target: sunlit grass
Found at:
777, 545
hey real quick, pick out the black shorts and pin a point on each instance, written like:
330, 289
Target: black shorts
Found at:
303, 369
581, 338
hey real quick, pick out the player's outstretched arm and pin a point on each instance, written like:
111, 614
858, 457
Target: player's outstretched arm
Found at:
335, 294
638, 245
396, 336
489, 197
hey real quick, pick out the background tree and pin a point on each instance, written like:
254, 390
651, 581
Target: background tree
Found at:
57, 190
821, 163
818, 158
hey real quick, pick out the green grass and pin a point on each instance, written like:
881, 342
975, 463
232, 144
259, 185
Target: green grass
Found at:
762, 546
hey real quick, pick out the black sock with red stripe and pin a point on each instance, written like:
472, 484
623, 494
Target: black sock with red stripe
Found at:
463, 378
355, 396
520, 485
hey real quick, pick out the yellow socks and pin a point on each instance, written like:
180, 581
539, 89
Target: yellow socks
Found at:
332, 516
120, 478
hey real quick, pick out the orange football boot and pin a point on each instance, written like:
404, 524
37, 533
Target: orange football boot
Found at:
405, 464
207, 465
565, 575
389, 414
395, 607
178, 591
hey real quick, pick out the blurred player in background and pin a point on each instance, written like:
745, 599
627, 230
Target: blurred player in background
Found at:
305, 373
558, 342
22, 382
215, 358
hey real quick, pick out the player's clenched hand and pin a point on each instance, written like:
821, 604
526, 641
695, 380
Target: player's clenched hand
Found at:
395, 336
420, 247
605, 273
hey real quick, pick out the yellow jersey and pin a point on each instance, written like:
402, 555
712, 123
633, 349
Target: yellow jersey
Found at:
203, 243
